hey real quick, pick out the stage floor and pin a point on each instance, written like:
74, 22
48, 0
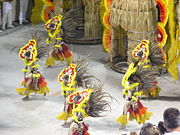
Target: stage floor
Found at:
38, 116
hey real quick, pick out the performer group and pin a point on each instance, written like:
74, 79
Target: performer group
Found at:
136, 34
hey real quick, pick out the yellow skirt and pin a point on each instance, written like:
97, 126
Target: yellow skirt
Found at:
27, 91
51, 60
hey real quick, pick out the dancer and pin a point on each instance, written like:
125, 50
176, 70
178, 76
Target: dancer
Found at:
33, 82
71, 79
86, 103
140, 80
59, 50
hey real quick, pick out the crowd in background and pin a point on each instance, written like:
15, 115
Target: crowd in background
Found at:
9, 11
169, 126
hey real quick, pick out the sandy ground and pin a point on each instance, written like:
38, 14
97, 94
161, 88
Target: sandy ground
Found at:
38, 116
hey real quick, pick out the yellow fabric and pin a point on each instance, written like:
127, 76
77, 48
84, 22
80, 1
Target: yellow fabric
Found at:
67, 90
131, 117
68, 60
80, 107
134, 98
36, 75
21, 91
36, 12
148, 115
58, 57
27, 91
102, 10
63, 116
47, 2
138, 119
122, 120
35, 66
24, 70
104, 14
145, 117
50, 61
125, 92
58, 24
141, 119
173, 44
178, 42
155, 92
129, 72
42, 90
139, 94
58, 38
48, 40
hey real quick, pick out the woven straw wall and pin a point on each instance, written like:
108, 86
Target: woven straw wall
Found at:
93, 28
137, 17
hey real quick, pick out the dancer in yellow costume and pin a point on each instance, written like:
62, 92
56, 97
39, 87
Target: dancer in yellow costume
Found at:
33, 80
71, 78
140, 80
87, 103
59, 50
52, 17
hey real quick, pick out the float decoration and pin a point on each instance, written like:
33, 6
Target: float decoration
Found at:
46, 13
162, 4
107, 26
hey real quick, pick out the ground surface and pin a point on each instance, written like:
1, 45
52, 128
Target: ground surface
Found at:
38, 116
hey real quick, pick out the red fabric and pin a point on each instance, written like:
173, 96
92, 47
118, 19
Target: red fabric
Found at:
46, 12
69, 110
162, 8
41, 81
55, 53
64, 53
160, 33
139, 110
139, 104
85, 131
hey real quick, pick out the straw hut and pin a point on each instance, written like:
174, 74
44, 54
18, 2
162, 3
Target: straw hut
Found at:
81, 19
92, 25
132, 21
